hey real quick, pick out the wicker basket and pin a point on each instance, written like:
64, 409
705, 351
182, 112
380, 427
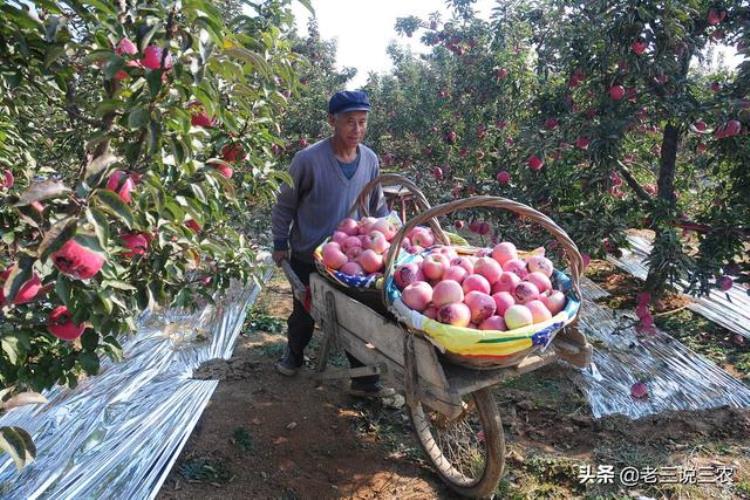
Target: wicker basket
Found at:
367, 291
487, 349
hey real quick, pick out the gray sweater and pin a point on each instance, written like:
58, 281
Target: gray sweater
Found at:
321, 197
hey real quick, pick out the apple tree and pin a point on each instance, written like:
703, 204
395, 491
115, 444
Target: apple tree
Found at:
134, 138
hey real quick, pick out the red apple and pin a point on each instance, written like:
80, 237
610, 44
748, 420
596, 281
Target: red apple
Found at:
352, 269
434, 266
348, 226
554, 300
137, 243
7, 180
126, 47
716, 16
28, 291
503, 177
489, 268
476, 283
535, 163
481, 305
370, 261
639, 47
525, 292
503, 300
77, 261
193, 225
446, 292
516, 266
518, 316
456, 314
121, 183
417, 295
60, 325
494, 323
232, 152
405, 275
152, 58
377, 242
617, 92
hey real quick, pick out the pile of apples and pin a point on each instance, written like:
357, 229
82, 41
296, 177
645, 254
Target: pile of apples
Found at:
358, 248
493, 290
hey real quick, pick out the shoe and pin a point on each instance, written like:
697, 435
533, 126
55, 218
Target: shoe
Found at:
370, 390
287, 365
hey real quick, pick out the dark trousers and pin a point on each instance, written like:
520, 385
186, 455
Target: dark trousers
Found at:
301, 325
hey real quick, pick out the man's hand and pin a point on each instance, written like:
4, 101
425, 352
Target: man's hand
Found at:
279, 255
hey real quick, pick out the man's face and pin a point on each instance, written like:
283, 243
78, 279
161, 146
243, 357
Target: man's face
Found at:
349, 127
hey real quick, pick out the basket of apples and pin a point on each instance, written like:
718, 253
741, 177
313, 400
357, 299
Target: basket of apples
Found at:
484, 308
353, 257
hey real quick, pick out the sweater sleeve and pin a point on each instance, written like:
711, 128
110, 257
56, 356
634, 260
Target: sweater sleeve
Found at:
285, 209
378, 206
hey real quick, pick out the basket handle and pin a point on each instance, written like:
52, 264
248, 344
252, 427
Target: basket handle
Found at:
362, 201
572, 255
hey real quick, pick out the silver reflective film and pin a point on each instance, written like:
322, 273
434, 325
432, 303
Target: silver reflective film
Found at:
118, 434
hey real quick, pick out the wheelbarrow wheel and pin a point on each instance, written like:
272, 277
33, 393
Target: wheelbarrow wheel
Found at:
468, 451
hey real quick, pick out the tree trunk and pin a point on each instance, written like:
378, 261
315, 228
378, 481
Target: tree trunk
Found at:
659, 271
657, 274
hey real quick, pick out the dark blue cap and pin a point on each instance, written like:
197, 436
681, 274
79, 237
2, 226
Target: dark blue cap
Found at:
349, 100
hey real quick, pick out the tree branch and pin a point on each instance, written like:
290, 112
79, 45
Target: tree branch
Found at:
633, 183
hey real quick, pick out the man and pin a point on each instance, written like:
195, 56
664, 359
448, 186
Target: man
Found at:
328, 176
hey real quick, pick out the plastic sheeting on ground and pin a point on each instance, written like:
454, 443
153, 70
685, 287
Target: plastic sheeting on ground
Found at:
117, 434
732, 313
677, 378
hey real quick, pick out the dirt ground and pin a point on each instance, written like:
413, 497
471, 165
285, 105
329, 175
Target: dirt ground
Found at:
267, 436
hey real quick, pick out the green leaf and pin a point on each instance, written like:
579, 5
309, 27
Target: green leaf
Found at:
153, 137
18, 444
179, 151
120, 285
154, 82
106, 303
148, 35
40, 191
103, 7
98, 219
22, 272
198, 192
53, 54
23, 399
138, 117
113, 204
308, 6
178, 214
115, 64
90, 340
56, 237
62, 290
97, 169
89, 362
213, 27
12, 348
253, 58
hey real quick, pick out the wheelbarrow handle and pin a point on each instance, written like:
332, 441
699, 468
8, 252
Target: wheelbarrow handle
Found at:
298, 288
